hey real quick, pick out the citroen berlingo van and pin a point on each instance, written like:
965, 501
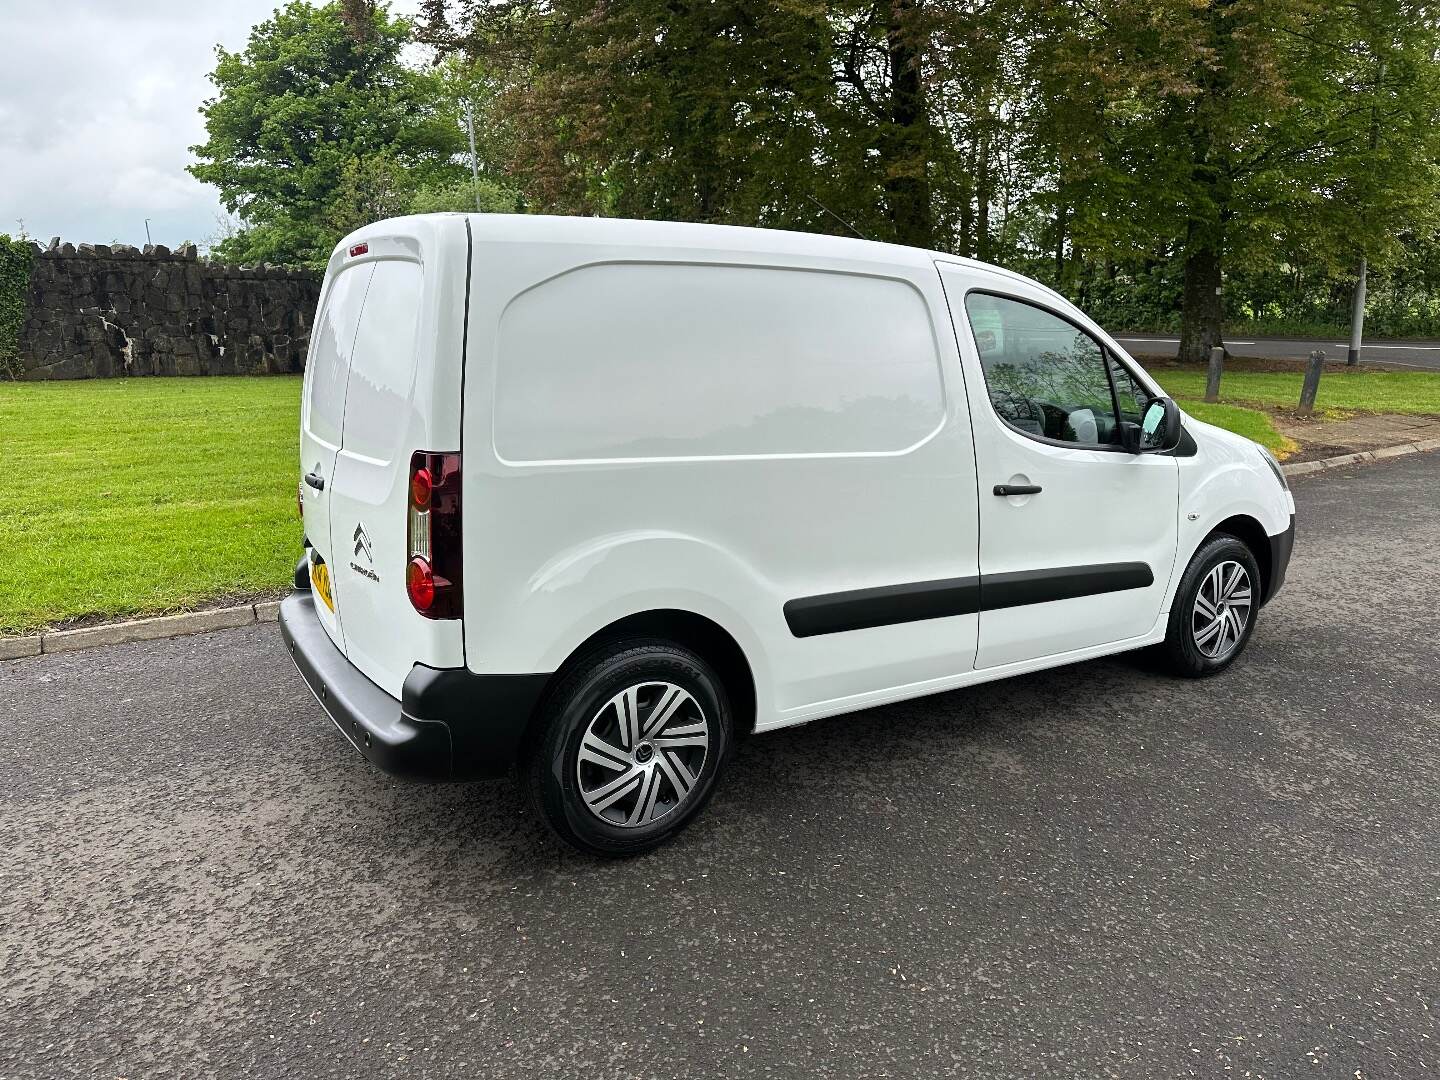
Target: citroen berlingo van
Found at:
591, 499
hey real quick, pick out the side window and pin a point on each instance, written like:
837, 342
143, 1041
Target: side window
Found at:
328, 368
382, 364
1131, 396
1045, 376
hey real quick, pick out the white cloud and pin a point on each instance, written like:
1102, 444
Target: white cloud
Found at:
98, 108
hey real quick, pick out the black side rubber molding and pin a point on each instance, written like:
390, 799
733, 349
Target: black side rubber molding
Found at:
999, 591
883, 606
887, 605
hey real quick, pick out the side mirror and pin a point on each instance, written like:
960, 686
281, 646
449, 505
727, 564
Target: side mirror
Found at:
1158, 430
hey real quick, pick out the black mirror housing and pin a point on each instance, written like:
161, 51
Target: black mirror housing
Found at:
1159, 429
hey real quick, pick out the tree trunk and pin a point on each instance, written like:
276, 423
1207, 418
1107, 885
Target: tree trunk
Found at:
984, 193
1202, 311
906, 145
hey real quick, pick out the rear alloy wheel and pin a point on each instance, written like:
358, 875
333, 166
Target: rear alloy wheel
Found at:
1214, 610
632, 743
642, 754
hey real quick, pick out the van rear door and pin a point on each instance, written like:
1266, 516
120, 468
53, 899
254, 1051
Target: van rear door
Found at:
322, 416
391, 412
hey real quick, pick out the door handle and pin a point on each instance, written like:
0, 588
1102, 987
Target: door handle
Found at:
315, 480
1017, 489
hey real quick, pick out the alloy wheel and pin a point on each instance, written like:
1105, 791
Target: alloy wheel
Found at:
1222, 610
642, 754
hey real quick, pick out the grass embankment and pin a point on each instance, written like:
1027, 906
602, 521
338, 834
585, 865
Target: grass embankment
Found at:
129, 497
133, 497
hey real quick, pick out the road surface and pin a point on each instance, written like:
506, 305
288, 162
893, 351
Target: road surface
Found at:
1096, 871
1424, 355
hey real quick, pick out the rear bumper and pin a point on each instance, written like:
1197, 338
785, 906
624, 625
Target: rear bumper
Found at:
449, 724
1281, 547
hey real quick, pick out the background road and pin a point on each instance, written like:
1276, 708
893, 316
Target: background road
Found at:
1409, 354
1096, 871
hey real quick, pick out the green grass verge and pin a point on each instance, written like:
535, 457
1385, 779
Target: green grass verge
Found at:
1415, 392
1251, 423
139, 496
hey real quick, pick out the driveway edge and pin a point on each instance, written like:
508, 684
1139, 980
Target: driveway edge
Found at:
162, 626
1304, 468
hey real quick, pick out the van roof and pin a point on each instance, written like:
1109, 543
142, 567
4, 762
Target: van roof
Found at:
629, 232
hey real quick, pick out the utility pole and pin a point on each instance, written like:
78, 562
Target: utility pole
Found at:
474, 165
147, 231
1357, 306
1357, 317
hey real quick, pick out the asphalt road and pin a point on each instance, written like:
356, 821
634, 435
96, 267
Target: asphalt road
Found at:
1406, 354
1097, 871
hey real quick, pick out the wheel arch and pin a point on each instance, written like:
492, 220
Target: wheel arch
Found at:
1250, 532
688, 629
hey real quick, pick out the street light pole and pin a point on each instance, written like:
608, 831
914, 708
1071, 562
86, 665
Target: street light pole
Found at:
474, 166
1357, 317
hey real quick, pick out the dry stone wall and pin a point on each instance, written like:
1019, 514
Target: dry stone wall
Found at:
99, 311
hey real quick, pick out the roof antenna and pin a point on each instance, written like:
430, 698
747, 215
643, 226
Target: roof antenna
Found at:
837, 217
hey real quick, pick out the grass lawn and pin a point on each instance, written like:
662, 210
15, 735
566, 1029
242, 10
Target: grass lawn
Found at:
1251, 423
141, 496
1359, 390
125, 497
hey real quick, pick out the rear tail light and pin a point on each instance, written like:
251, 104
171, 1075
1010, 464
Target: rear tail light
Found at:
432, 567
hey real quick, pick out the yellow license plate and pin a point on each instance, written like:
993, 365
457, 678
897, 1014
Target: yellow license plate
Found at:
320, 580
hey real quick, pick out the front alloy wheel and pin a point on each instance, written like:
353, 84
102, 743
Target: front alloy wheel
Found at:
1213, 614
1222, 610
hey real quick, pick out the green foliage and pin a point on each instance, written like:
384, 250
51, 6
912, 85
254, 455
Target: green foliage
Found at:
154, 494
1136, 154
481, 196
317, 126
16, 257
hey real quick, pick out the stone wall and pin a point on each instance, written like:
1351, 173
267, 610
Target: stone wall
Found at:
101, 311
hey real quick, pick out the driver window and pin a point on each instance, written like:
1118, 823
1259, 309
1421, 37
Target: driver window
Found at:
1046, 377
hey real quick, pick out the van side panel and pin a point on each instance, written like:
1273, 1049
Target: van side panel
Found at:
729, 440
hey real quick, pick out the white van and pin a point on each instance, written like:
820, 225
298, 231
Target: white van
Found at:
595, 498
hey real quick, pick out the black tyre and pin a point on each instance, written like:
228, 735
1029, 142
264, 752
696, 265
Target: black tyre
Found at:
1214, 610
631, 743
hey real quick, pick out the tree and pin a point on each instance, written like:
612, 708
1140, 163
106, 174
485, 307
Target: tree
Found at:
1221, 133
317, 125
803, 114
1384, 148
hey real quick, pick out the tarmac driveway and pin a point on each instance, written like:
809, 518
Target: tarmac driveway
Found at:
1094, 871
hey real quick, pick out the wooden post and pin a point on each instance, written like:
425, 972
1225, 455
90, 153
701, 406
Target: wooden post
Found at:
1212, 375
1312, 382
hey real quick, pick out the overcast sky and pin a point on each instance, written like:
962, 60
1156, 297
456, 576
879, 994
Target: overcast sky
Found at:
98, 103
